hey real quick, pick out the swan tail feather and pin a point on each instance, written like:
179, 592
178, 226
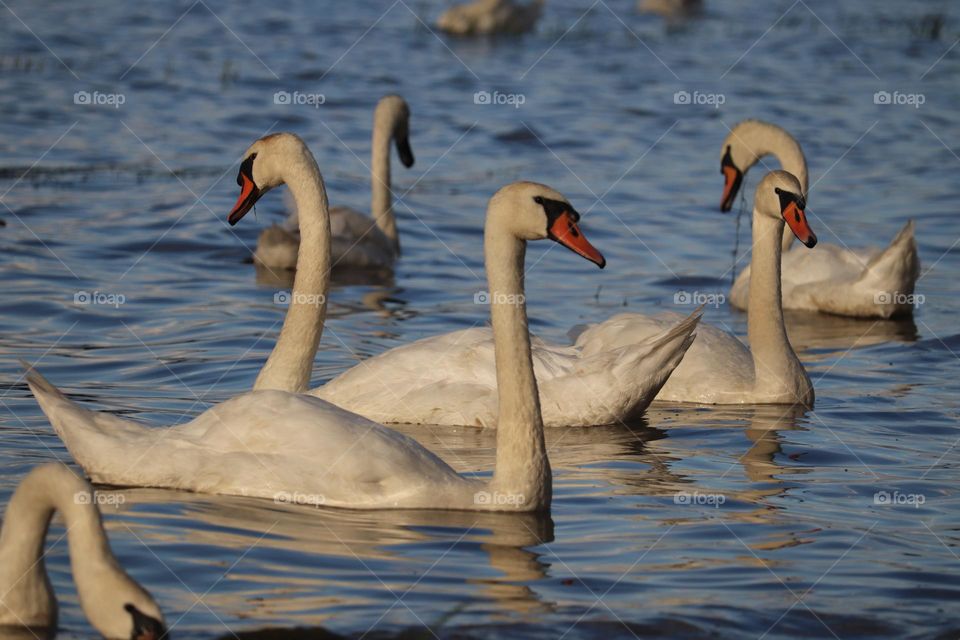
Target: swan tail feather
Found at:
91, 437
893, 274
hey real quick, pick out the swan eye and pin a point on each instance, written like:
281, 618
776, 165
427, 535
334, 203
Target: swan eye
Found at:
538, 199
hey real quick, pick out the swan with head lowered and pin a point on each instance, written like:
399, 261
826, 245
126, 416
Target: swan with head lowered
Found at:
870, 283
358, 241
269, 442
113, 602
718, 368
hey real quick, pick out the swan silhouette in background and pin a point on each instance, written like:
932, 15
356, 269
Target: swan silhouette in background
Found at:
490, 17
275, 439
718, 368
113, 602
868, 283
359, 241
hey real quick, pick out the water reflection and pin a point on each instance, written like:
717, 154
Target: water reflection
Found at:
337, 545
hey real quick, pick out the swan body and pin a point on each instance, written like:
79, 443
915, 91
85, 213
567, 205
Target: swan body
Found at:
450, 379
358, 240
114, 603
671, 9
870, 283
718, 368
278, 442
490, 17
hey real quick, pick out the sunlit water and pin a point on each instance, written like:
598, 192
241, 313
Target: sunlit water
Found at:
784, 537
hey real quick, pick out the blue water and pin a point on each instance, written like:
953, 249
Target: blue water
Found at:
129, 200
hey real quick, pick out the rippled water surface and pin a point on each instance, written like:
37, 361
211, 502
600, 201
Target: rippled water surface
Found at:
130, 201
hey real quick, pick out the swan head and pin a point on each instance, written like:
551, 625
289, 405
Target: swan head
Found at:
267, 164
532, 211
779, 196
394, 112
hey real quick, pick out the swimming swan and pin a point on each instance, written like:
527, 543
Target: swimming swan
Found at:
866, 283
271, 442
359, 241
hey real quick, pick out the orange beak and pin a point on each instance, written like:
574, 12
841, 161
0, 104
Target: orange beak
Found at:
796, 219
732, 178
249, 194
565, 231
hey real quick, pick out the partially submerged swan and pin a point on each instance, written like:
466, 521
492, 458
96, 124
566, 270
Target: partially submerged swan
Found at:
869, 283
113, 602
491, 17
274, 440
358, 240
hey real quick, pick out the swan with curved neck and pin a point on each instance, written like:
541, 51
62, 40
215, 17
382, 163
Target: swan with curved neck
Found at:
114, 603
358, 240
837, 280
269, 442
718, 369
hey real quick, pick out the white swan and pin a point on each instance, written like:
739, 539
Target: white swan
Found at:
113, 602
450, 379
490, 17
359, 241
718, 368
269, 442
866, 283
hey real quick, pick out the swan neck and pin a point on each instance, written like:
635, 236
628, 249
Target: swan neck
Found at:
767, 139
381, 205
291, 362
23, 576
522, 469
775, 363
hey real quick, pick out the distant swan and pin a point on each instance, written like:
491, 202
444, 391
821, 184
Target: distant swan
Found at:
113, 602
275, 440
718, 368
859, 283
490, 17
359, 241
